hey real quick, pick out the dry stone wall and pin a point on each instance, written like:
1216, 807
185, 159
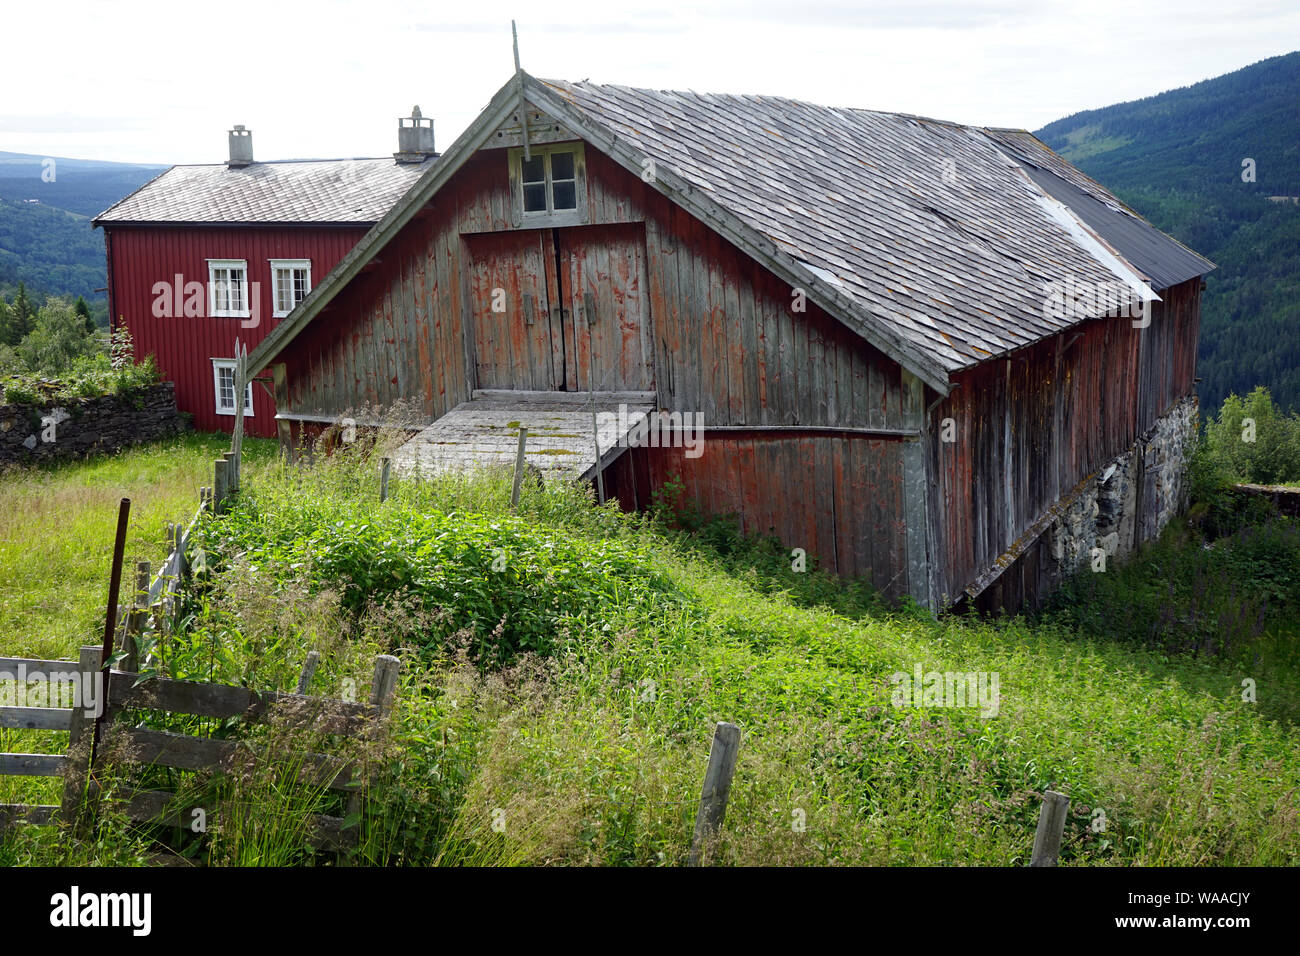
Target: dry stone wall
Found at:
1131, 499
80, 427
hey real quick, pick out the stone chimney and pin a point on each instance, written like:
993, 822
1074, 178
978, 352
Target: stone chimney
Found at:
414, 138
241, 147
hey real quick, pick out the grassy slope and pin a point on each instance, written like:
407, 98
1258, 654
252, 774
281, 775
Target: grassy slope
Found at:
56, 548
595, 755
56, 536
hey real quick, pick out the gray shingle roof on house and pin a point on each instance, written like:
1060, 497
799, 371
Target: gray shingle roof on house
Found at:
292, 191
935, 228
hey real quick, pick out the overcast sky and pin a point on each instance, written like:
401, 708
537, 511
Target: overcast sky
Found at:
162, 82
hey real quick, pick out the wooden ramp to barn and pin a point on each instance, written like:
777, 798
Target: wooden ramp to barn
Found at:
561, 439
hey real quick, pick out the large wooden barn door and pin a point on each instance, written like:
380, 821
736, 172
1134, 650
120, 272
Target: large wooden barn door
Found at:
561, 309
518, 334
607, 308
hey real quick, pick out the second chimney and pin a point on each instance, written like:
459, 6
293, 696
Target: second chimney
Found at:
414, 138
241, 147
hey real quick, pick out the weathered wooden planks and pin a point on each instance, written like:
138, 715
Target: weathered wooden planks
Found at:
839, 496
32, 765
218, 700
35, 718
484, 432
1029, 428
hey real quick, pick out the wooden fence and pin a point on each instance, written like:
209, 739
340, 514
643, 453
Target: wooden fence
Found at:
114, 691
146, 747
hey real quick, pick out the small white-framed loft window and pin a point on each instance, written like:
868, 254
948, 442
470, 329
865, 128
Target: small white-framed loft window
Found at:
223, 384
290, 283
228, 288
550, 186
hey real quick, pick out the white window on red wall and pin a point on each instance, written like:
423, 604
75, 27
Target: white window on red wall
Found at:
223, 383
228, 288
290, 283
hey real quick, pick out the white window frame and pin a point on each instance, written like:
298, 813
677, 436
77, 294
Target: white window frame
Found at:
278, 264
218, 365
228, 264
549, 216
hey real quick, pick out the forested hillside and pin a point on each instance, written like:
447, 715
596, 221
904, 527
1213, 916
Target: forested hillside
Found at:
46, 240
1206, 164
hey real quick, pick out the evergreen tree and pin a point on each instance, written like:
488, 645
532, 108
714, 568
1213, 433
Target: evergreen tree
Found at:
6, 323
82, 310
24, 316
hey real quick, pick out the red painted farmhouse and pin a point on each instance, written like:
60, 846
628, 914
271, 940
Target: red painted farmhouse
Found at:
202, 256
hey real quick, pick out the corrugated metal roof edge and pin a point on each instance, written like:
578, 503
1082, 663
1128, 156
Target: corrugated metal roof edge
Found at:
1104, 192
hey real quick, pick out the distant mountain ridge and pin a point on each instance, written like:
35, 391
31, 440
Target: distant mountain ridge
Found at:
1201, 162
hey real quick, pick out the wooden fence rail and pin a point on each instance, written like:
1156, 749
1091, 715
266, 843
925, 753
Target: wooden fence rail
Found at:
146, 747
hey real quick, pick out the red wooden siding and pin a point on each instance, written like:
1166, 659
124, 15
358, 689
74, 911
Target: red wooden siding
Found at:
840, 497
726, 342
139, 257
1030, 427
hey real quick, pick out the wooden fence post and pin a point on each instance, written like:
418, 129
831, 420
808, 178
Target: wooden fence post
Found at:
232, 471
382, 688
90, 667
219, 486
717, 787
178, 549
308, 671
519, 467
600, 474
1051, 826
135, 618
384, 465
384, 684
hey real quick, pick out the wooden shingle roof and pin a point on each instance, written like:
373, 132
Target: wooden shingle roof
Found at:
936, 228
929, 239
357, 191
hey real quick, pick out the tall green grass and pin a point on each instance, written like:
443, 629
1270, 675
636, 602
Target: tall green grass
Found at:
557, 709
57, 525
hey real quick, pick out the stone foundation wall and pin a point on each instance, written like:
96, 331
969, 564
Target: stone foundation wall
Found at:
1131, 499
81, 427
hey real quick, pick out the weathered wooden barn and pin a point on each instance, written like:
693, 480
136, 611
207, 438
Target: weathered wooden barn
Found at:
204, 255
931, 355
